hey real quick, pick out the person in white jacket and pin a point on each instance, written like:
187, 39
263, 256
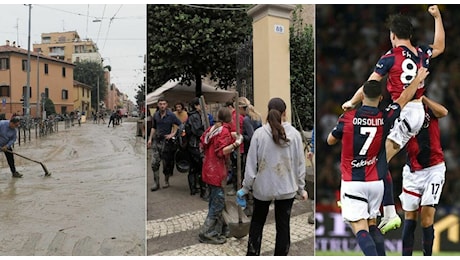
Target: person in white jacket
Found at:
275, 171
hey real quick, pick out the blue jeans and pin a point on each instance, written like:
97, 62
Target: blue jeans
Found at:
215, 207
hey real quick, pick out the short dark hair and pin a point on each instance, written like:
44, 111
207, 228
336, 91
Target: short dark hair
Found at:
180, 104
194, 102
15, 119
401, 26
162, 99
372, 89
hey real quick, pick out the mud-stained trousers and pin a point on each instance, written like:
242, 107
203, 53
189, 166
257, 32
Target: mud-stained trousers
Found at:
162, 150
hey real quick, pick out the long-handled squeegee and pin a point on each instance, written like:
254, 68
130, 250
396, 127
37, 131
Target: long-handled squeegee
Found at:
47, 173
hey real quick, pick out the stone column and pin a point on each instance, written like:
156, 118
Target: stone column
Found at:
271, 55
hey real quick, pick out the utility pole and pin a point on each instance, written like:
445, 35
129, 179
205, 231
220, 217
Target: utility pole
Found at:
38, 84
27, 94
97, 109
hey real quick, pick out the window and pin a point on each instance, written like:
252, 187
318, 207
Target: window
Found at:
24, 65
46, 68
4, 91
4, 63
46, 39
24, 88
47, 91
65, 94
63, 72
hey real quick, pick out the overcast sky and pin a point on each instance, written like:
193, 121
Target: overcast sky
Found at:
120, 35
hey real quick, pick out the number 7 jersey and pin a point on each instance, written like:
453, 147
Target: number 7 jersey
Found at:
401, 65
363, 133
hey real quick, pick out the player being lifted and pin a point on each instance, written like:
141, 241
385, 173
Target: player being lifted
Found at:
401, 64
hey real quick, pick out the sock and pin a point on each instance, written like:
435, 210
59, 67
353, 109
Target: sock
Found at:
388, 191
427, 240
408, 236
366, 243
378, 240
389, 211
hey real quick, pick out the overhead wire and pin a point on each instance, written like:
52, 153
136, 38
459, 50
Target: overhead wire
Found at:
110, 23
218, 8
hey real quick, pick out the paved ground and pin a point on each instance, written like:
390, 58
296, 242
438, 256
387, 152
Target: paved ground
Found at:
174, 218
92, 204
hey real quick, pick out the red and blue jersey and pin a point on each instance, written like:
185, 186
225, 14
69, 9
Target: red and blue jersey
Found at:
401, 65
363, 133
424, 150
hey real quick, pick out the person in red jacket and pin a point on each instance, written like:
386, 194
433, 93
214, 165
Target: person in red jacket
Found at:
217, 142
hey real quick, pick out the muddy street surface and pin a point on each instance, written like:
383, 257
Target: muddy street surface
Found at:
92, 204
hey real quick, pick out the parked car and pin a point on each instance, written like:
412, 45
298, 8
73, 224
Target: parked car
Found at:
135, 114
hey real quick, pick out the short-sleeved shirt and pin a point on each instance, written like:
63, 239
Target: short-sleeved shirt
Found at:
163, 125
363, 132
401, 65
7, 134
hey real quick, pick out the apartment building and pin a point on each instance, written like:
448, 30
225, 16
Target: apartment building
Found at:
49, 77
68, 46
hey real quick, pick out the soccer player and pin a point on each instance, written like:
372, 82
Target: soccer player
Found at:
423, 179
401, 64
363, 160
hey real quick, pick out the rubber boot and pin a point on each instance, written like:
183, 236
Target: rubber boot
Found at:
209, 235
166, 182
191, 184
156, 180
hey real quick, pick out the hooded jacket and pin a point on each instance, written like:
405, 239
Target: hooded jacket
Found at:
213, 141
275, 172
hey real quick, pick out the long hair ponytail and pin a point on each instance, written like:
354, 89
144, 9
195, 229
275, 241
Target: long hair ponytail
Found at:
276, 107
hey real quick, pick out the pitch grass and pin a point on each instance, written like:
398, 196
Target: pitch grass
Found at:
359, 253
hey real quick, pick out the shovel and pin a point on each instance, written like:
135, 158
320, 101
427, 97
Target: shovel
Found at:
238, 223
47, 173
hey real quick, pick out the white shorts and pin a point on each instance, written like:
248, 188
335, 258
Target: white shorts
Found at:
408, 124
422, 188
361, 199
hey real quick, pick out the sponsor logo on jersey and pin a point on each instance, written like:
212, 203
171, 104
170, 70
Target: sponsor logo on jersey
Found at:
363, 162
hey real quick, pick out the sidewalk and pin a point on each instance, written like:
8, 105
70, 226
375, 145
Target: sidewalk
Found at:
174, 219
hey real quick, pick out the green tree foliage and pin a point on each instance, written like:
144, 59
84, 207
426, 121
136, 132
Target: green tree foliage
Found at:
49, 107
88, 72
302, 70
189, 42
140, 96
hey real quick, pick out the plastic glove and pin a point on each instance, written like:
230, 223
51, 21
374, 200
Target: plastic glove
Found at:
239, 139
240, 193
241, 201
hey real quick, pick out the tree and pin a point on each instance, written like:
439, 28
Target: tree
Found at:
49, 107
89, 72
302, 69
140, 96
191, 41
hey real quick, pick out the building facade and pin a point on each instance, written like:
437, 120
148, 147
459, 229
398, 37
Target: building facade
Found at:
82, 94
48, 78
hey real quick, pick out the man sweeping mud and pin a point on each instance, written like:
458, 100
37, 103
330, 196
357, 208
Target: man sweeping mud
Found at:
8, 135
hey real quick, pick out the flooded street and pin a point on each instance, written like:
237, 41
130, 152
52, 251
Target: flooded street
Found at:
94, 202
